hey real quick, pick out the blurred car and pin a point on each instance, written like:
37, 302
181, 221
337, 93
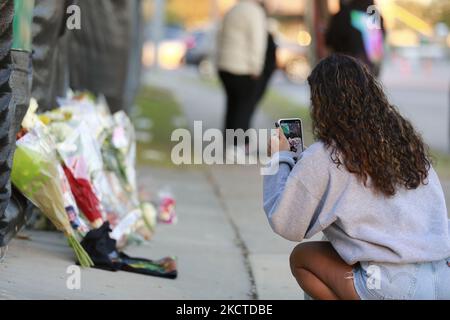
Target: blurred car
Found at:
171, 49
292, 59
201, 46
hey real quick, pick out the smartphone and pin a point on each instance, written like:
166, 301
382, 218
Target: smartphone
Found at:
293, 130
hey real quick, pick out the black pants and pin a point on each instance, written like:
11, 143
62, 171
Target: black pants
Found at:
241, 92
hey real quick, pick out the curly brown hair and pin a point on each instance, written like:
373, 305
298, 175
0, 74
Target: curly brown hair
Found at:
352, 116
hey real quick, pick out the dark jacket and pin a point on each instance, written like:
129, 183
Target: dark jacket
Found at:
50, 79
343, 37
7, 108
14, 100
111, 67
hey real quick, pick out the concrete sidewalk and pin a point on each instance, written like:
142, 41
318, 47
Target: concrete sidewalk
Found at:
224, 246
240, 189
223, 242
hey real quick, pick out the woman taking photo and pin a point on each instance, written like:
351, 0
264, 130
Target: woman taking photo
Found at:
369, 185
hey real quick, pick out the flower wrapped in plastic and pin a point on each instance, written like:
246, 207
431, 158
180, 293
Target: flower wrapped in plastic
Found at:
76, 221
83, 163
119, 152
83, 191
37, 174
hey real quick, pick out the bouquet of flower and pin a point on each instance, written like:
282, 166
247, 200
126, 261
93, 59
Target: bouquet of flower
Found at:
119, 152
167, 213
37, 175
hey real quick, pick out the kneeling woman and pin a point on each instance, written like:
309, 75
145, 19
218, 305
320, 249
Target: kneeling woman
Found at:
368, 184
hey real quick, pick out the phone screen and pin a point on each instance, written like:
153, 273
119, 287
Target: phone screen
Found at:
293, 131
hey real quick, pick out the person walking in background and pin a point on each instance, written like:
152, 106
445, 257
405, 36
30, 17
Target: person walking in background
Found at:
242, 44
358, 30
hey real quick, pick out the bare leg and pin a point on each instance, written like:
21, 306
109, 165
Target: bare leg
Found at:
321, 273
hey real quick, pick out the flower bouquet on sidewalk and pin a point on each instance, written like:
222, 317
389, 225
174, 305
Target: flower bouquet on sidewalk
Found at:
37, 174
77, 164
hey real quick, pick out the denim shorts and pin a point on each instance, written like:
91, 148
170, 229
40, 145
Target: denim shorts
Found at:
419, 281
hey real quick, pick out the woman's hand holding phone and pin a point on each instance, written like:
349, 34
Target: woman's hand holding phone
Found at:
278, 142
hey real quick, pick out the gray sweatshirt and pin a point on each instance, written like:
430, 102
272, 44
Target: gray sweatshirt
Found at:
312, 195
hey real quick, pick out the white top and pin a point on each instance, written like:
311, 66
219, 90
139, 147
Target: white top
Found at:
242, 39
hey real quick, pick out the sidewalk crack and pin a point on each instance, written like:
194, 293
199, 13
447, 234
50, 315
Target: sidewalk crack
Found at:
240, 241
